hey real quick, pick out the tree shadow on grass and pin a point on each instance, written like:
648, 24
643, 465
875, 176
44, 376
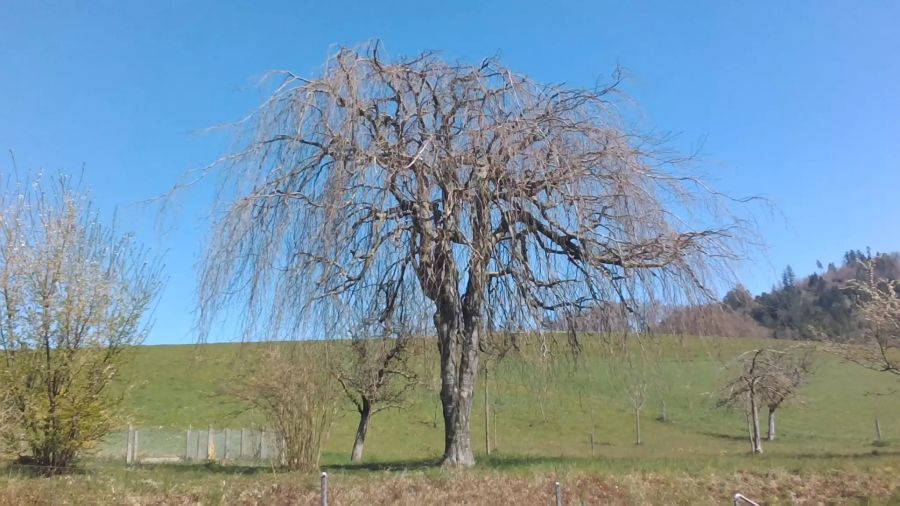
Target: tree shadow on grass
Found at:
188, 467
387, 465
511, 461
730, 437
843, 455
483, 462
39, 471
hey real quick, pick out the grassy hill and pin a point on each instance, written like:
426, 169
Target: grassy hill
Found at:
545, 411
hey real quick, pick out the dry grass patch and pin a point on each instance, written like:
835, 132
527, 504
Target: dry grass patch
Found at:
880, 486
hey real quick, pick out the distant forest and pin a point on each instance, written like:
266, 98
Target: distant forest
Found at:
796, 308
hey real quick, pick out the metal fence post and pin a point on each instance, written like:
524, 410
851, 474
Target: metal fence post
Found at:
324, 488
558, 495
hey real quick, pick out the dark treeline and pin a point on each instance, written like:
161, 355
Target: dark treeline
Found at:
810, 307
816, 305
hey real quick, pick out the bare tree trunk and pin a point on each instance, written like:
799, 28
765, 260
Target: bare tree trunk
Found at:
771, 435
750, 428
457, 389
637, 426
756, 438
494, 419
487, 414
364, 414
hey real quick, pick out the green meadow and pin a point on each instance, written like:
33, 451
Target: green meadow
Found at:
544, 411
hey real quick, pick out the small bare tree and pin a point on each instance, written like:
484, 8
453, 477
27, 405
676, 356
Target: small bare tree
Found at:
378, 378
378, 375
792, 372
493, 190
292, 386
495, 346
73, 297
634, 366
637, 391
766, 377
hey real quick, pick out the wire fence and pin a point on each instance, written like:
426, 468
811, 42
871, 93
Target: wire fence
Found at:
243, 446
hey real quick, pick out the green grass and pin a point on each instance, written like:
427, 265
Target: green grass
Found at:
825, 449
833, 420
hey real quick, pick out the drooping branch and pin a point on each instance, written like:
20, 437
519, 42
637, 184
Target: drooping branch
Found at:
507, 200
469, 170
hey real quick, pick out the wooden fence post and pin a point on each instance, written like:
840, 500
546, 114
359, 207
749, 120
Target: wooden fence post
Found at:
211, 445
877, 431
225, 446
592, 444
262, 444
241, 449
187, 444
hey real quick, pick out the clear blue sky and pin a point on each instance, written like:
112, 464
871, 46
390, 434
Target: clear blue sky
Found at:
798, 101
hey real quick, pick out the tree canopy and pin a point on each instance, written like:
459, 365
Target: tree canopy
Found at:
496, 200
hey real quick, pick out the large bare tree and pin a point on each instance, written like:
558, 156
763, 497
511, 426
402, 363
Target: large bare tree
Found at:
496, 192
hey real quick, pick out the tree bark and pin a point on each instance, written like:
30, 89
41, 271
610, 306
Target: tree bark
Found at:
771, 435
754, 412
750, 427
637, 426
459, 366
457, 402
358, 444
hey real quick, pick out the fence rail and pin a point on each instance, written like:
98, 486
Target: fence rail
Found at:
246, 446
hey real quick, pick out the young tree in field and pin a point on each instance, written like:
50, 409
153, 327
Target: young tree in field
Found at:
634, 367
495, 346
637, 387
792, 370
73, 297
378, 376
491, 189
766, 377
